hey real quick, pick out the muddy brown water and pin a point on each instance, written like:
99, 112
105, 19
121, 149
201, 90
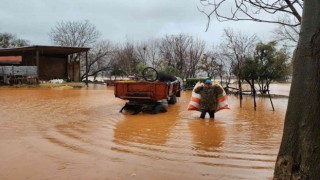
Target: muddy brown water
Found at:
80, 134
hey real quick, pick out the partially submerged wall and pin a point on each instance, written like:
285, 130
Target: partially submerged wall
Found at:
52, 68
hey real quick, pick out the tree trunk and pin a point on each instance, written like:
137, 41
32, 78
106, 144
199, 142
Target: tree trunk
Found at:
299, 153
254, 95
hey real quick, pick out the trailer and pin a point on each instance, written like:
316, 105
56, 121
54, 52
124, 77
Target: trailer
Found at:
144, 96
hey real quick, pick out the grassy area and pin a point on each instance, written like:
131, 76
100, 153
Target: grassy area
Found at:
62, 85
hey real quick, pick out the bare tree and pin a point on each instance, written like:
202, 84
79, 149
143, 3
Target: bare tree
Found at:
175, 49
287, 35
126, 58
166, 46
181, 46
299, 153
142, 53
238, 46
179, 53
74, 34
247, 10
226, 58
195, 52
228, 63
209, 64
149, 52
222, 69
98, 59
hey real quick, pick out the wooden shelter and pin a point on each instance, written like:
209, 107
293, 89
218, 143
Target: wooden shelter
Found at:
43, 62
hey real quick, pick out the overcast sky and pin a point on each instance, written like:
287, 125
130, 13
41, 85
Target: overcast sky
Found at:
117, 20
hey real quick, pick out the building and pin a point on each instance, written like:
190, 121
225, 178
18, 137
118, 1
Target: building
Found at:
42, 62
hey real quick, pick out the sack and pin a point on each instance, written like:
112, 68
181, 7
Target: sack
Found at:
194, 103
222, 99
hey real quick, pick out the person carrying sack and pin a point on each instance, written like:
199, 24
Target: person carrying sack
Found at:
209, 98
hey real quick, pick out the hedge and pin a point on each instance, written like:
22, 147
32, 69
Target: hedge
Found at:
191, 82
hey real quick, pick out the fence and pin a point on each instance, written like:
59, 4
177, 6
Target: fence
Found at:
18, 75
18, 70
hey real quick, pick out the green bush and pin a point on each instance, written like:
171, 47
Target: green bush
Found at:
191, 82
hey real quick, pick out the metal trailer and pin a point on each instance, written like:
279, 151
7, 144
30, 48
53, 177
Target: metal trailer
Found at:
144, 96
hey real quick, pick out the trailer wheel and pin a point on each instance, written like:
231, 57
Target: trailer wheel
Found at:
159, 108
150, 74
172, 99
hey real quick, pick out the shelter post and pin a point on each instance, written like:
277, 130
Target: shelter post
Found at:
37, 61
87, 68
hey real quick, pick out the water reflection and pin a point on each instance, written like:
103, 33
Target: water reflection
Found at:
144, 135
143, 129
207, 135
261, 125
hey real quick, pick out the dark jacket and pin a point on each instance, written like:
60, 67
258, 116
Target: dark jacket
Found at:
209, 96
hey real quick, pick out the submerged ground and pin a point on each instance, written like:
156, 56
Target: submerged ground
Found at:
80, 134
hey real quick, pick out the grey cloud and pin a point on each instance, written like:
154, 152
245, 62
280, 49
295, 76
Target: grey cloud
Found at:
116, 20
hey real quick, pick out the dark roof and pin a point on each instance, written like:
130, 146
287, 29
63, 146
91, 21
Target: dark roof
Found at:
43, 50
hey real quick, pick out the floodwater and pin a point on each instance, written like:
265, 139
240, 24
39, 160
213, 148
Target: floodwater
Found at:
80, 134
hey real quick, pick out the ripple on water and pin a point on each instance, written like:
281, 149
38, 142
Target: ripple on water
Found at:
75, 124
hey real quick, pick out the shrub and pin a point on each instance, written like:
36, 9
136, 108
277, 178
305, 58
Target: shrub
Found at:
191, 82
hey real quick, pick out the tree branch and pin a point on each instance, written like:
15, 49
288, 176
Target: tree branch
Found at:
248, 10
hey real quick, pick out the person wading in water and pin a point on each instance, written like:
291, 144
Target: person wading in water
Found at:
209, 98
